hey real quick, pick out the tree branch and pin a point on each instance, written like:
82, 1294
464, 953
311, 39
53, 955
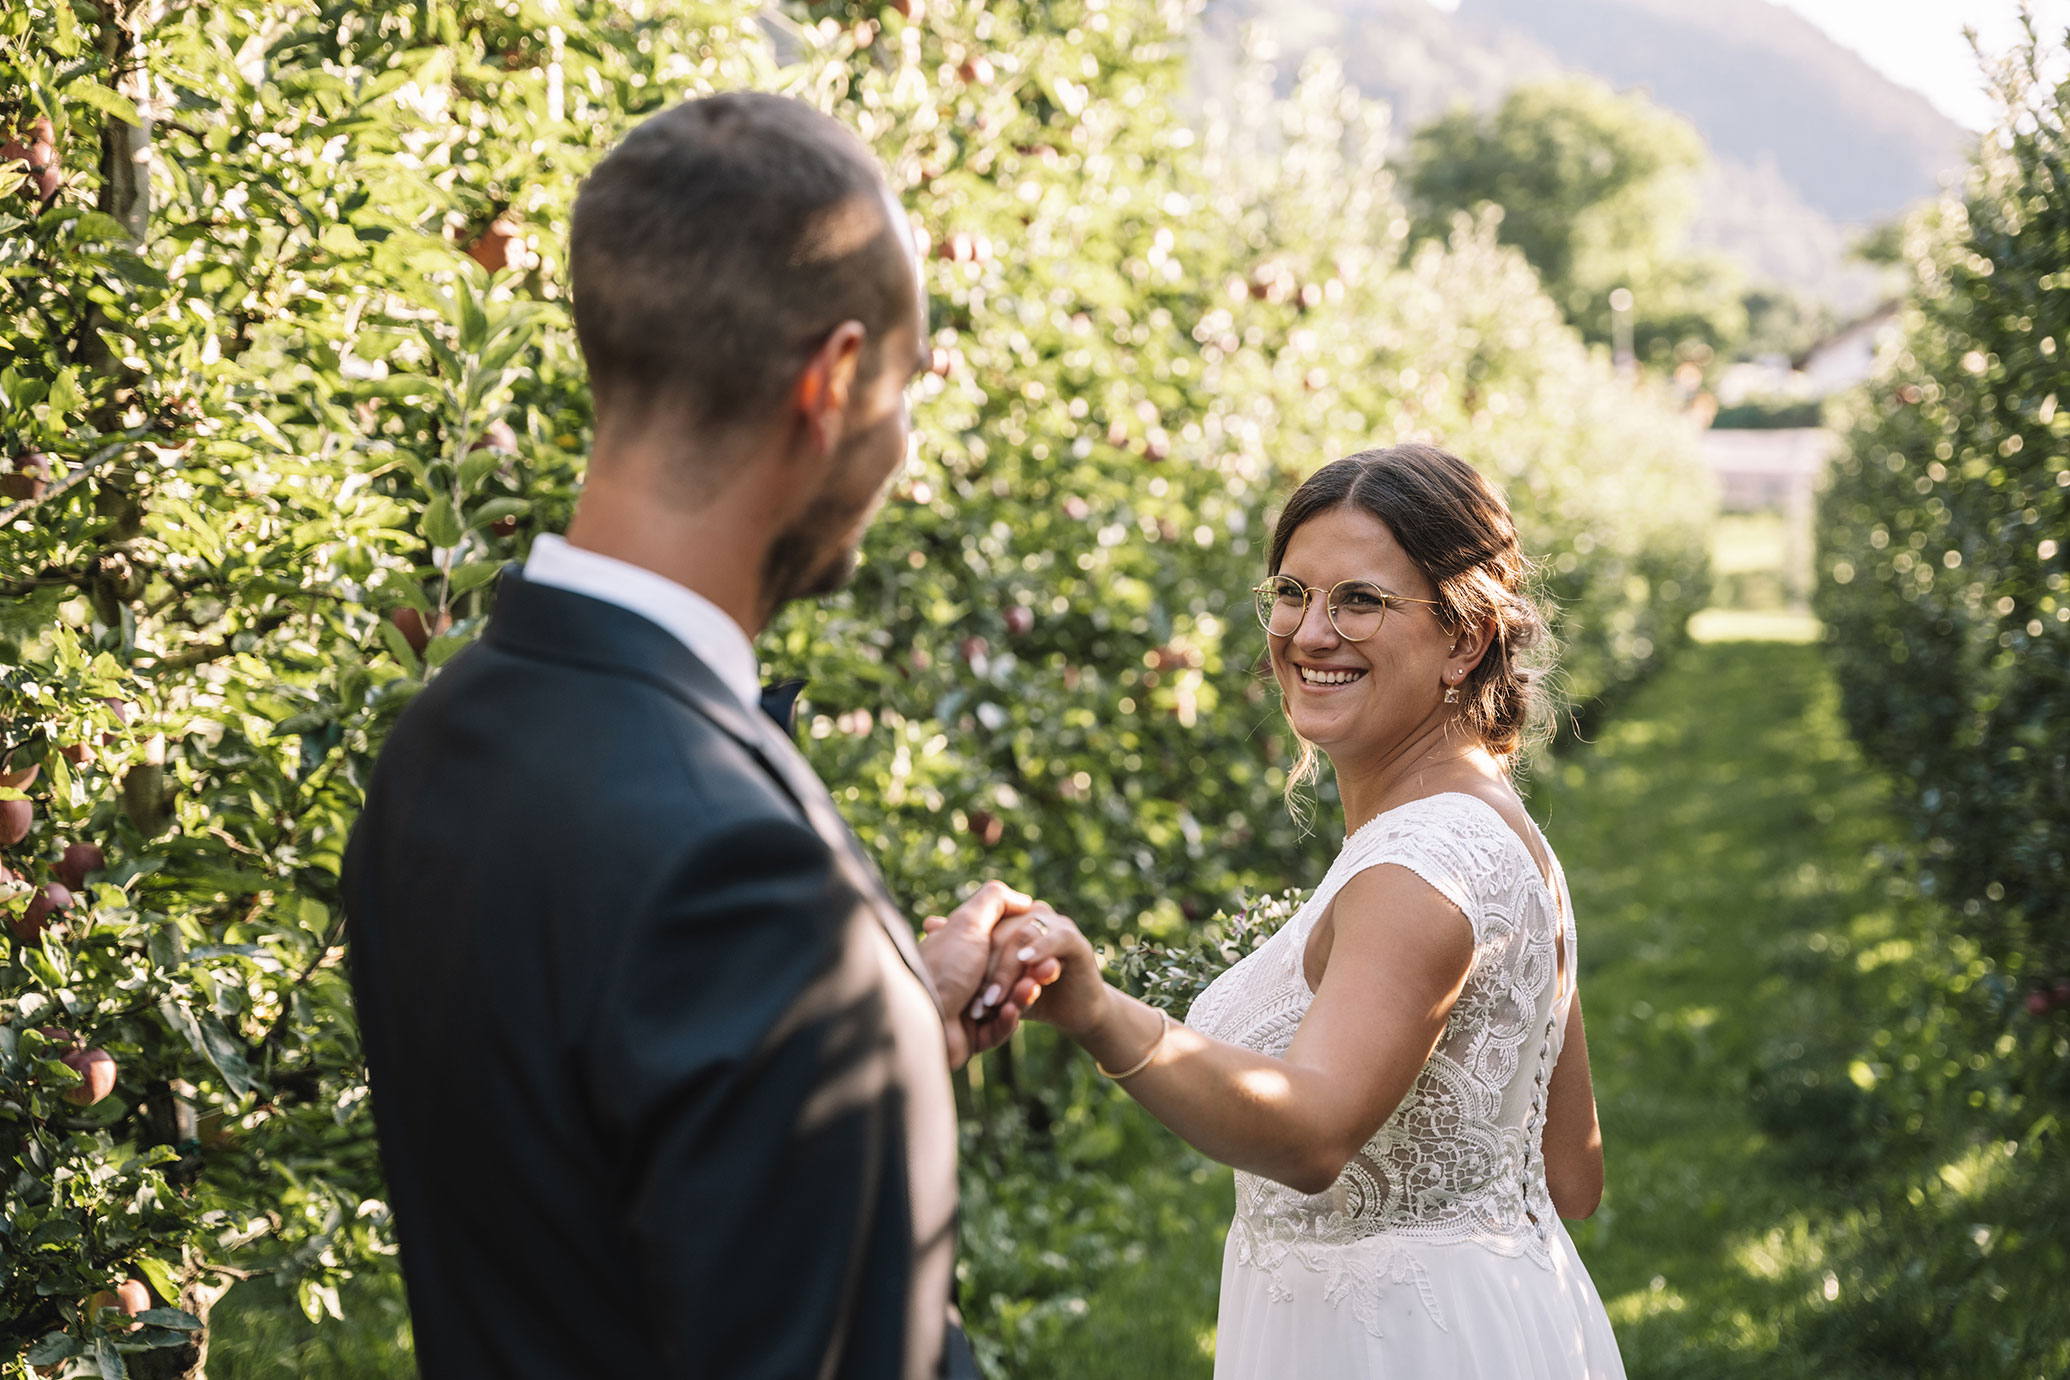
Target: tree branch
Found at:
209, 651
79, 475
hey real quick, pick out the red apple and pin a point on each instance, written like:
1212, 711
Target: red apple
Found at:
411, 624
497, 436
23, 930
1020, 620
48, 899
2038, 1002
976, 70
492, 248
78, 860
987, 827
15, 818
36, 146
971, 649
31, 477
130, 1296
20, 780
75, 753
97, 1067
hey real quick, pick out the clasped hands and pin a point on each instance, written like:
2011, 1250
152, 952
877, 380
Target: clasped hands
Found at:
994, 955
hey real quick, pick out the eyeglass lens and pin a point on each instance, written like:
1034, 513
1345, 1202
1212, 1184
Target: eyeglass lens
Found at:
1355, 608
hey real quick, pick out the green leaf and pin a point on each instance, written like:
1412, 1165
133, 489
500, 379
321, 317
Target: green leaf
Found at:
399, 646
441, 524
472, 574
474, 326
477, 463
113, 103
318, 1298
108, 1360
497, 509
55, 1347
98, 227
225, 1051
162, 1280
65, 396
448, 362
177, 1319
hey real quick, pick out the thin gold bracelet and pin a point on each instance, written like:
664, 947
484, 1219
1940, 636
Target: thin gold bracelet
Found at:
1163, 1029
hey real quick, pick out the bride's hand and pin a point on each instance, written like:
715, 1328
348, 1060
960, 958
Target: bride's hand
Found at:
1050, 950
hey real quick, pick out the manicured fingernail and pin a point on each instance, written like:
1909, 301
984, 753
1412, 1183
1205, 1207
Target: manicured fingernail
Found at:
977, 1010
991, 997
1026, 954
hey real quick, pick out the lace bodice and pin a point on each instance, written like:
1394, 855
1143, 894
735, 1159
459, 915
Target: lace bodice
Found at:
1461, 1158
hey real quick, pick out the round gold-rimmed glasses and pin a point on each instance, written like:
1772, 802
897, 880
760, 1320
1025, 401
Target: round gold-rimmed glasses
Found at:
1355, 607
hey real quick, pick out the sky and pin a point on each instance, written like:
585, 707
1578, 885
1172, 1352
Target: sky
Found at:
1919, 43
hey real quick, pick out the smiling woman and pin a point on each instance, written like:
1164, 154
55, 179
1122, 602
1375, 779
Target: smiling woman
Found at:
1429, 614
1400, 1074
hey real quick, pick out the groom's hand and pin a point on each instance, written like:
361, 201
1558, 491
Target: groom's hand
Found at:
958, 953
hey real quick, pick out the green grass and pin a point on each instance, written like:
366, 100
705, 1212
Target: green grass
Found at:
1822, 1161
1708, 835
258, 1332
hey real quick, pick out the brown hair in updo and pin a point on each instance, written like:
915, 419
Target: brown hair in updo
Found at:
1458, 530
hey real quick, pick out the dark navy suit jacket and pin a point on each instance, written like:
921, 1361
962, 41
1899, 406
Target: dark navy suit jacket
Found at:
660, 1085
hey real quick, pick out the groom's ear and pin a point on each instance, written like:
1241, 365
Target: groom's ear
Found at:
820, 393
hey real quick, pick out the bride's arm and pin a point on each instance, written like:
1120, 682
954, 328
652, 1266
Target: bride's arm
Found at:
1398, 957
1573, 1138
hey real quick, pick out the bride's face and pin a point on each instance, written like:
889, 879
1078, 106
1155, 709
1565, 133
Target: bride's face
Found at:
1359, 699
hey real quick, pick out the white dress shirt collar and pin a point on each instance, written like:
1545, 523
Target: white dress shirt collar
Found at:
706, 629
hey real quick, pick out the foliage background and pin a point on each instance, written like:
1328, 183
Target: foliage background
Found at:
1944, 534
279, 407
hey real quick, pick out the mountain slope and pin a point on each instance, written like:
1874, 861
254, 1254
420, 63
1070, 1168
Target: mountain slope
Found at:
1809, 142
1763, 84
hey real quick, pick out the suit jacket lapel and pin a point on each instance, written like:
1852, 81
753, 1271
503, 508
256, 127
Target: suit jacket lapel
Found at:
601, 634
790, 767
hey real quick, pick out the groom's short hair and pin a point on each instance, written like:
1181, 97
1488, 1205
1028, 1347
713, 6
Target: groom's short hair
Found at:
716, 246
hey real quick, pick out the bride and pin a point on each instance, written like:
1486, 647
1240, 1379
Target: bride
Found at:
1399, 1076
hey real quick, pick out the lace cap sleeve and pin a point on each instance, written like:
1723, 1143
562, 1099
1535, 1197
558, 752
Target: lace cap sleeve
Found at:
1445, 840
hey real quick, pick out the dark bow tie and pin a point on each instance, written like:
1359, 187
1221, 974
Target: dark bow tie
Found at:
780, 702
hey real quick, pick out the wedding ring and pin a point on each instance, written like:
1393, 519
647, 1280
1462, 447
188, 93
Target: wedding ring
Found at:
1039, 923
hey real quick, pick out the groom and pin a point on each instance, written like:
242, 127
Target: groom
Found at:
661, 1076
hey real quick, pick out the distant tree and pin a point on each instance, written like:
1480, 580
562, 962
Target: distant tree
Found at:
1597, 190
1882, 244
1779, 322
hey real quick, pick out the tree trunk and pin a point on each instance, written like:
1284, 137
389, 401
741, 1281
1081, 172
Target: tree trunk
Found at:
188, 1362
126, 148
126, 196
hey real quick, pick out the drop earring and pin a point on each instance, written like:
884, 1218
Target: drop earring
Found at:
1451, 694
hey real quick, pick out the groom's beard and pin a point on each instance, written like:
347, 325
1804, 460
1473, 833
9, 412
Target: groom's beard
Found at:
818, 553
800, 563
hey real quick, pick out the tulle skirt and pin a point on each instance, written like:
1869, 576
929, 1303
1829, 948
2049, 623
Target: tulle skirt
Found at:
1405, 1309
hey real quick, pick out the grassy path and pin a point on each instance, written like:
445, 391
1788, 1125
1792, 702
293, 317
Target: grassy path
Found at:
1721, 840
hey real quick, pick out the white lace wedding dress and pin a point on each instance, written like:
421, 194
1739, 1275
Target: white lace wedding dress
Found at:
1436, 1255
